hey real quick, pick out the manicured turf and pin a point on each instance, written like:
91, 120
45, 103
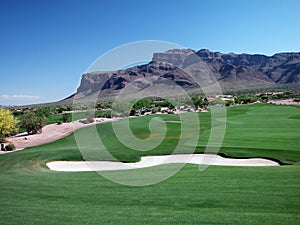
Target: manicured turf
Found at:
252, 131
31, 194
54, 118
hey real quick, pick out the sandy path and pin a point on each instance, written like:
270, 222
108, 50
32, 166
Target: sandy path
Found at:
50, 133
284, 102
149, 161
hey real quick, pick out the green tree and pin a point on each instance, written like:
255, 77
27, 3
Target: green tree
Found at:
66, 117
156, 109
198, 102
165, 103
142, 103
8, 124
32, 123
205, 102
43, 112
229, 102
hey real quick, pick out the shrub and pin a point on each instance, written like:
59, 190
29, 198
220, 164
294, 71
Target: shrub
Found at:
10, 147
156, 109
43, 112
103, 113
297, 100
32, 123
87, 121
90, 120
66, 117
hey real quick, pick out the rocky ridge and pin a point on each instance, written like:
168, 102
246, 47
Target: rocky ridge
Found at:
191, 69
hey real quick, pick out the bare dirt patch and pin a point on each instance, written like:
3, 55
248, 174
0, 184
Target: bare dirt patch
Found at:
284, 102
50, 133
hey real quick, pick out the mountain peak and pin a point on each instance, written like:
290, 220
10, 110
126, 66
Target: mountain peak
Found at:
180, 51
232, 71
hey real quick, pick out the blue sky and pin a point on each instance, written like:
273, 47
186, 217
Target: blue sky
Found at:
46, 45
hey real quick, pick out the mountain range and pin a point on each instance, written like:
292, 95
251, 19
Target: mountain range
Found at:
192, 70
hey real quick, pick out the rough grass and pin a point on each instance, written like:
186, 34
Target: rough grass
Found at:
31, 194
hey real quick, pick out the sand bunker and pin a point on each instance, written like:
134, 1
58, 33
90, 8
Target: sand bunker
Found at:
149, 161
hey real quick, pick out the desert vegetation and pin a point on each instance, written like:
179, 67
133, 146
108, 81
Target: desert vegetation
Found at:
8, 124
41, 115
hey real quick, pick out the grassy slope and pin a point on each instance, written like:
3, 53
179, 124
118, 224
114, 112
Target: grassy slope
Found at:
262, 130
31, 194
252, 131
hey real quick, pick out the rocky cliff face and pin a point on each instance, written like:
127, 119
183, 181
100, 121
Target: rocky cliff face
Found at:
139, 77
234, 69
184, 66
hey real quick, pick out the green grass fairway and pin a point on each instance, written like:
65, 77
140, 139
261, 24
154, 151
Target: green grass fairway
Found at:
31, 194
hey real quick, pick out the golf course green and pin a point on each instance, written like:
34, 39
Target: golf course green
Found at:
33, 194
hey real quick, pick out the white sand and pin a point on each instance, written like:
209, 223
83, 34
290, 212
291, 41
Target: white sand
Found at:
149, 161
